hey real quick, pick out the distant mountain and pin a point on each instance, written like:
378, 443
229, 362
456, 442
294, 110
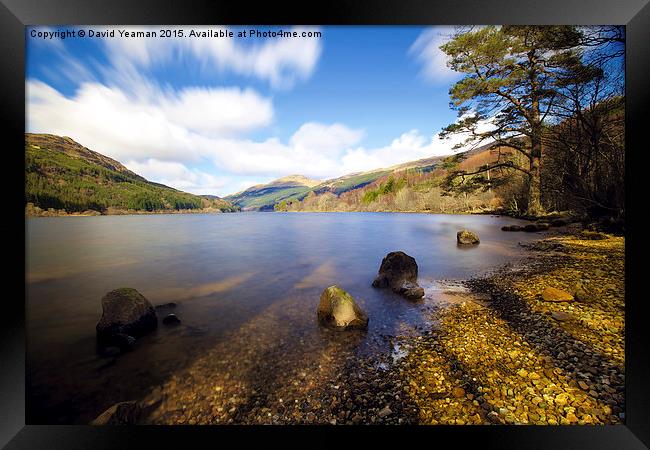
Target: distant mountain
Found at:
65, 176
263, 197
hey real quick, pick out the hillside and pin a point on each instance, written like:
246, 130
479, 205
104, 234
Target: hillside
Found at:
264, 196
409, 187
294, 193
64, 176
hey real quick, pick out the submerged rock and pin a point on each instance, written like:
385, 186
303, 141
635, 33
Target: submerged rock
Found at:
552, 294
123, 413
466, 237
337, 309
171, 319
399, 272
410, 290
126, 314
511, 228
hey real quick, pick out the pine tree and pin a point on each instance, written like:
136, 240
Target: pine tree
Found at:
509, 89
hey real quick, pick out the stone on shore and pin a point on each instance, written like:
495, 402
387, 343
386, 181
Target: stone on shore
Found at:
551, 294
337, 309
466, 237
123, 413
560, 316
593, 235
125, 312
458, 392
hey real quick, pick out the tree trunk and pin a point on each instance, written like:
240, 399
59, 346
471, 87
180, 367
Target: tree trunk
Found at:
534, 180
534, 189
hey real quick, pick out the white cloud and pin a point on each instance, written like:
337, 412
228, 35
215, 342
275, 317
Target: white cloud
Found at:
321, 138
426, 49
280, 61
177, 175
273, 157
165, 127
218, 110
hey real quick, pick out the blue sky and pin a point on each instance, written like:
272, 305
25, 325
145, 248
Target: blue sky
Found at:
216, 115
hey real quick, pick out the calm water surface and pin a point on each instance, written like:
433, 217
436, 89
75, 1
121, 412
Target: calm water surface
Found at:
237, 280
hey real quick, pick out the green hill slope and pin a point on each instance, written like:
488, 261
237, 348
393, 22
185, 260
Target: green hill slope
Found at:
263, 197
63, 175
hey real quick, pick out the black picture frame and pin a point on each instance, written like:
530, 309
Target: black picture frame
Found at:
16, 14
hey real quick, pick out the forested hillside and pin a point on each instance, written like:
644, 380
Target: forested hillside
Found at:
64, 176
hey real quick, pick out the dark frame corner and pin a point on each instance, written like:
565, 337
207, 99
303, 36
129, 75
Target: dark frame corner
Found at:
16, 14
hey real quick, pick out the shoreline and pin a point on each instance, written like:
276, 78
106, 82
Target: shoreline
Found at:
495, 213
504, 356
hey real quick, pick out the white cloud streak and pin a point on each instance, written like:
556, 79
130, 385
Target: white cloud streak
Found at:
426, 50
280, 61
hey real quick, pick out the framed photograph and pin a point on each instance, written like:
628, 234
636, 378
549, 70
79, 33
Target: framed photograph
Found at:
402, 220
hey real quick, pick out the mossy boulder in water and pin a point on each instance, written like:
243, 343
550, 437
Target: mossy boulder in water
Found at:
337, 309
466, 237
125, 312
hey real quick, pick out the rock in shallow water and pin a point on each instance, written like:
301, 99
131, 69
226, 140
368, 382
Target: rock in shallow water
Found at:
396, 267
399, 272
411, 291
337, 309
125, 312
466, 237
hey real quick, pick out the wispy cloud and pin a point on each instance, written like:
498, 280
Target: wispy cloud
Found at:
280, 61
426, 50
